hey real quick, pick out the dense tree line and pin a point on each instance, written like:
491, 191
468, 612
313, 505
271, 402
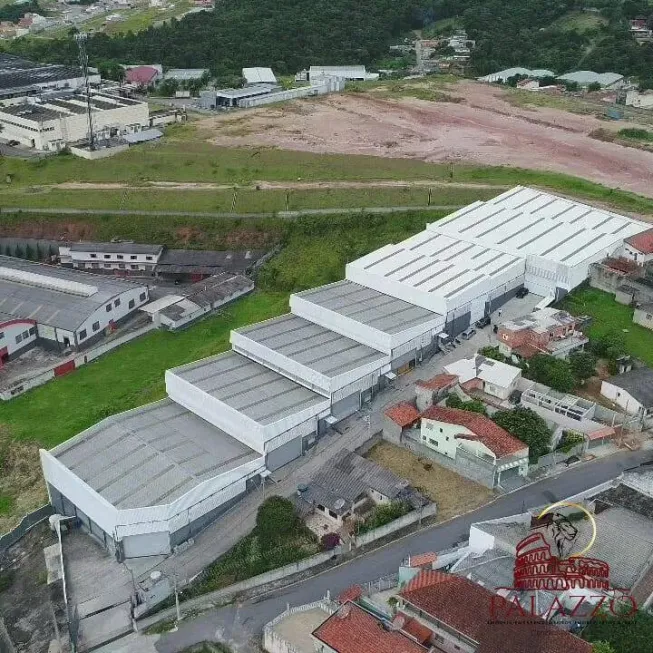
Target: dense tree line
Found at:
292, 34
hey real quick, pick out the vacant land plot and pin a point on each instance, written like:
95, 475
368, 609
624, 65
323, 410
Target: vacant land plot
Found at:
484, 130
607, 316
453, 493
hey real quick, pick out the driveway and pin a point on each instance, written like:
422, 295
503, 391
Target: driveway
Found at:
239, 624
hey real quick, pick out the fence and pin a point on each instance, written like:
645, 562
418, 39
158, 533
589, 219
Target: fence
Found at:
207, 601
41, 377
27, 523
412, 517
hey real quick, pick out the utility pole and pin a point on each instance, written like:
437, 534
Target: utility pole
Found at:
81, 38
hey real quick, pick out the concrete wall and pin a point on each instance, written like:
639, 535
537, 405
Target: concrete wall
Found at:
622, 398
643, 317
411, 518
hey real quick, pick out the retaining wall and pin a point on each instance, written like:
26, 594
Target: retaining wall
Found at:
396, 525
27, 523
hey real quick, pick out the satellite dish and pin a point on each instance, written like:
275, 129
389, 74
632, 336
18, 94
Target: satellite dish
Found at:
340, 503
155, 576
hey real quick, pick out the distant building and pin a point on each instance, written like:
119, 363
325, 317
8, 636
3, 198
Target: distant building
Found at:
59, 309
229, 98
504, 75
348, 73
547, 331
195, 265
585, 78
259, 76
57, 122
185, 74
142, 76
632, 391
643, 100
189, 304
114, 257
20, 78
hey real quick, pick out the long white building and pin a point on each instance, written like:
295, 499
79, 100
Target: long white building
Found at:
178, 464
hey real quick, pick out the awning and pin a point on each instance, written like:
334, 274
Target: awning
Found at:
391, 376
331, 420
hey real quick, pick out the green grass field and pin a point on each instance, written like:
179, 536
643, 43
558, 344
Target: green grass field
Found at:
580, 21
607, 316
184, 157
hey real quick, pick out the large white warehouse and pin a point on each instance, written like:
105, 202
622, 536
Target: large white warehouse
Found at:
146, 480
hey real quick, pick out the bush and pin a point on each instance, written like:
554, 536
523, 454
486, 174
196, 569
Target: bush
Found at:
610, 345
474, 406
384, 514
583, 364
554, 372
528, 427
569, 440
275, 520
329, 541
493, 353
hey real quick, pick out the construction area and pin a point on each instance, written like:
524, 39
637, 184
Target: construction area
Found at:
467, 122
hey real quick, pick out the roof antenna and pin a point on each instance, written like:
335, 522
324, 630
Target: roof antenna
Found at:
81, 38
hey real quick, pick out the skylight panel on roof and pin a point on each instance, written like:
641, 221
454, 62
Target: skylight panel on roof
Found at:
49, 283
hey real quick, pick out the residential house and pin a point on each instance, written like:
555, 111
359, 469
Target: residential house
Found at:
485, 375
639, 248
478, 448
350, 484
644, 315
611, 273
458, 614
142, 76
433, 390
397, 418
354, 630
547, 331
632, 391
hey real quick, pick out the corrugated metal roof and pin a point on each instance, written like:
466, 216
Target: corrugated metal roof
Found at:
259, 76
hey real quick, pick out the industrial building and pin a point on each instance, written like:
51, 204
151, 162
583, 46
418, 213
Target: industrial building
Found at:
20, 78
355, 73
289, 379
53, 123
57, 308
254, 76
130, 257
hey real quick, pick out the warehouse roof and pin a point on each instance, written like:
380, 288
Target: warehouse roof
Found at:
312, 345
16, 72
252, 389
185, 74
524, 221
151, 455
191, 261
511, 72
117, 248
587, 77
369, 307
217, 288
54, 296
250, 91
259, 76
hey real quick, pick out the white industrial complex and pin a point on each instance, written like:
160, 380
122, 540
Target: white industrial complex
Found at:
146, 480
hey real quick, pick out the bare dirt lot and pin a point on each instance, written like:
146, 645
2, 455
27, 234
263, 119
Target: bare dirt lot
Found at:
484, 128
454, 494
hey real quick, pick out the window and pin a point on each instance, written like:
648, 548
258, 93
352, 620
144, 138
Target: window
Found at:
132, 303
82, 334
142, 296
25, 335
121, 266
649, 316
441, 431
108, 308
95, 265
2, 335
107, 256
148, 258
333, 514
434, 442
134, 267
120, 256
19, 337
32, 331
93, 255
96, 326
133, 257
447, 438
117, 303
107, 265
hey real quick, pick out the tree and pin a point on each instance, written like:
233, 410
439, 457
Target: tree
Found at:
583, 364
276, 519
602, 647
611, 345
627, 633
594, 86
554, 372
474, 405
528, 427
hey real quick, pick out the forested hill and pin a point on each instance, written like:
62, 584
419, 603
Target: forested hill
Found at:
287, 35
290, 35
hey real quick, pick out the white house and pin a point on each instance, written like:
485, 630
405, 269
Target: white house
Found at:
492, 377
639, 248
632, 391
644, 315
103, 257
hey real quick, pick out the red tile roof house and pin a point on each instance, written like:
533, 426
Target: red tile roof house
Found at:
397, 419
459, 614
472, 445
639, 248
433, 390
143, 76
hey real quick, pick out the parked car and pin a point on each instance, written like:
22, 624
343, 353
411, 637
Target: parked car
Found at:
483, 322
468, 333
522, 292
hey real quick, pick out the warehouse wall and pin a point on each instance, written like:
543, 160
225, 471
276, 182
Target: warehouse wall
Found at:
284, 454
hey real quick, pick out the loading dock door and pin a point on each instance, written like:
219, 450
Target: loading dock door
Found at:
347, 406
148, 544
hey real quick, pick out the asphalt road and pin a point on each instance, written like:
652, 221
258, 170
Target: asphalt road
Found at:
237, 623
